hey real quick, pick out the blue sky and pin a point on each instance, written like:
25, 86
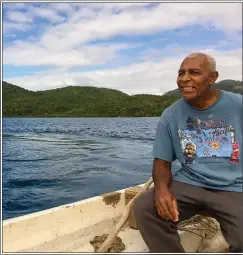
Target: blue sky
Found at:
132, 47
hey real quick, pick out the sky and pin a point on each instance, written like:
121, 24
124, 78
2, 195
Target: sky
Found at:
136, 48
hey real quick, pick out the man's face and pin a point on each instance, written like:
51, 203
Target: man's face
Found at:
194, 78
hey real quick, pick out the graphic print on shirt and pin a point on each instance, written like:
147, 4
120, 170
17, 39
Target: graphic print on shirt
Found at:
208, 139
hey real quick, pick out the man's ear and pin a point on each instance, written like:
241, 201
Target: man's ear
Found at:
213, 77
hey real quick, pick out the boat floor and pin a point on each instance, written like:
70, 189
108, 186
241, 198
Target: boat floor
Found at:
130, 237
80, 242
77, 242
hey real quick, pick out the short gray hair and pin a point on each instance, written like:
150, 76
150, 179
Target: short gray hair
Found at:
211, 60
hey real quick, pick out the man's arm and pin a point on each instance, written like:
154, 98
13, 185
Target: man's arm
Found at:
163, 152
164, 201
162, 176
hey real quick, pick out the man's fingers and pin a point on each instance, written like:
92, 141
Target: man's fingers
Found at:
166, 205
163, 215
175, 210
170, 209
165, 208
168, 213
159, 209
175, 206
162, 211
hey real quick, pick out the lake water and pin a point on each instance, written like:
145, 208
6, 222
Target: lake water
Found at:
48, 162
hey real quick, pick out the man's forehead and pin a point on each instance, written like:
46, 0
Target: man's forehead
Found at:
198, 61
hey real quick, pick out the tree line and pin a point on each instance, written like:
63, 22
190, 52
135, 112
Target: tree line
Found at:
87, 101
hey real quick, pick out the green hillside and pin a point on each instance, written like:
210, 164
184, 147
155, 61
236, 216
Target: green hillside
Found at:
227, 85
76, 101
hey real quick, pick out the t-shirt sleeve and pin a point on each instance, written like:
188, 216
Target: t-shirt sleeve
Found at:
163, 146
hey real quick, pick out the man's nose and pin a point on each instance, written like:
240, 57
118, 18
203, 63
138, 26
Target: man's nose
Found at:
186, 77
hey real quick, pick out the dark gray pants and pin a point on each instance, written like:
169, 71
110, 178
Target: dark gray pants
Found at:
161, 235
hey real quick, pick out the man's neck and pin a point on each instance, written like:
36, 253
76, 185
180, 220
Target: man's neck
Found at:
206, 100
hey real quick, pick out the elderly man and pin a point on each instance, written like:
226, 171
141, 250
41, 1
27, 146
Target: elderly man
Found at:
203, 130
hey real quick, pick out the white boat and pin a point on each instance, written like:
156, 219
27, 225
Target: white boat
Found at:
71, 227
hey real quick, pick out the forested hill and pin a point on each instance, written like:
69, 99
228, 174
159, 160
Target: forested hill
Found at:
76, 101
227, 85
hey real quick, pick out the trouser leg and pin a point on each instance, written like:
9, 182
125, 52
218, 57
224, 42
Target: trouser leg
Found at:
227, 207
161, 235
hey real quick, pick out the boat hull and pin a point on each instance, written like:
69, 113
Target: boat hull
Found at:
71, 227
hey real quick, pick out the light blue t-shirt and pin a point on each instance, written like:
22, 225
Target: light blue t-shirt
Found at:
207, 143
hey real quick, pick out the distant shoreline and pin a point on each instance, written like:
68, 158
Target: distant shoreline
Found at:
90, 102
22, 117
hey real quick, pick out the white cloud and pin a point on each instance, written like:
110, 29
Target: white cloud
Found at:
147, 77
25, 13
48, 14
85, 24
57, 56
142, 21
66, 45
19, 17
34, 12
14, 6
10, 27
61, 7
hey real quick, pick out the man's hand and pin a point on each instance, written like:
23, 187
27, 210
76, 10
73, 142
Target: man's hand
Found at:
166, 204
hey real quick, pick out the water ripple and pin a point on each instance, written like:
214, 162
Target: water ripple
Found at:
52, 161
